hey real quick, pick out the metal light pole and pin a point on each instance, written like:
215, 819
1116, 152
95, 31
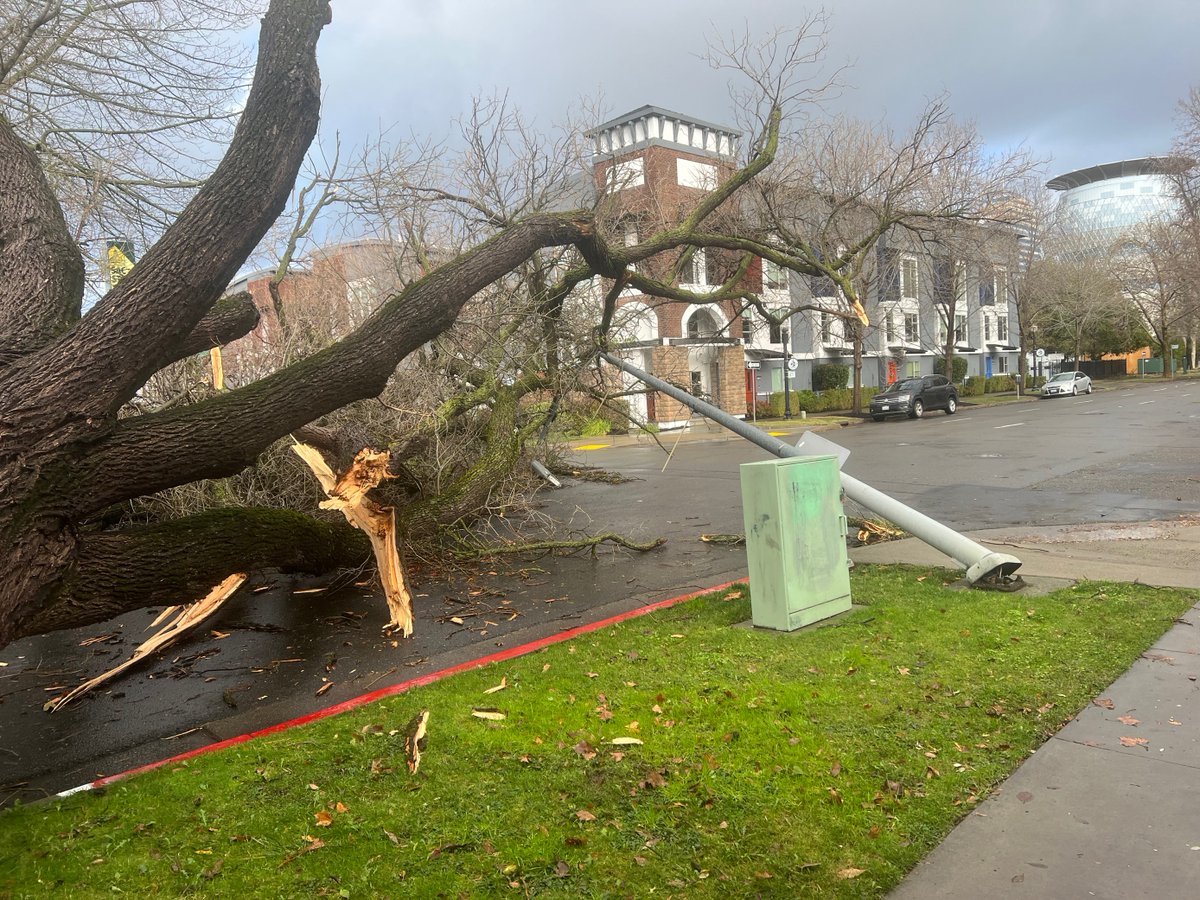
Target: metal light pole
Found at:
787, 373
979, 562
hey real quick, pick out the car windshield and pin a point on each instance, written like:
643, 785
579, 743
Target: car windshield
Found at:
909, 384
1063, 376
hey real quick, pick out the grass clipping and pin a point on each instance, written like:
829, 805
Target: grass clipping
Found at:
349, 494
186, 618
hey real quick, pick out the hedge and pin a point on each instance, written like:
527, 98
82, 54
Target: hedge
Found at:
830, 376
958, 368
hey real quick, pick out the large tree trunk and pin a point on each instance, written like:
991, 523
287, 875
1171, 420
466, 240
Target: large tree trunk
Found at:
64, 453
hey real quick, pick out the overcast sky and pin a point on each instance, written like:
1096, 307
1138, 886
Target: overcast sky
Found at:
1077, 81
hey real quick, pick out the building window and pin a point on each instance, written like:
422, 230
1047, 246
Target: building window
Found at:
889, 327
775, 277
1002, 328
747, 325
694, 270
1002, 287
1002, 364
960, 328
697, 388
775, 335
626, 174
912, 332
693, 174
912, 369
987, 328
908, 278
826, 328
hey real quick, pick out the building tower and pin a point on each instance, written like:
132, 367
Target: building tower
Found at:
660, 164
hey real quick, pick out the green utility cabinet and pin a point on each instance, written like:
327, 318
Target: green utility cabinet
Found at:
795, 541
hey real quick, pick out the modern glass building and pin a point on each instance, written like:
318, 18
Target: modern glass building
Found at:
1102, 201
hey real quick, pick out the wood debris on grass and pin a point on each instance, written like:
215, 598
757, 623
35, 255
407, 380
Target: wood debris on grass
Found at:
414, 740
349, 495
185, 619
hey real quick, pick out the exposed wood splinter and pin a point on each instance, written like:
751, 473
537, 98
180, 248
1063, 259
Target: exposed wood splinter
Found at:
349, 494
186, 618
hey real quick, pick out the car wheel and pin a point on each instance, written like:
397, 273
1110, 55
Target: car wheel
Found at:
918, 409
951, 406
1089, 390
1074, 390
877, 418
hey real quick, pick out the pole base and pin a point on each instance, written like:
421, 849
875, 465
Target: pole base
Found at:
992, 565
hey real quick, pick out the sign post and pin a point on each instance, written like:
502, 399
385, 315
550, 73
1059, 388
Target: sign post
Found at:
753, 366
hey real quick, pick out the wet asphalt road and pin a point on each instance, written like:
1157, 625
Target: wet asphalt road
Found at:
1122, 455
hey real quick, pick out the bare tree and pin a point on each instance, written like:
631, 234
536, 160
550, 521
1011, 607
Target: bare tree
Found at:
841, 189
1154, 266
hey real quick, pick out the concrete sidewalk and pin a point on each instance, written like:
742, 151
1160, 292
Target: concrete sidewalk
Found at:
1091, 814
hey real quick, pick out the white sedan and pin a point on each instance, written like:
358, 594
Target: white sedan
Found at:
1067, 383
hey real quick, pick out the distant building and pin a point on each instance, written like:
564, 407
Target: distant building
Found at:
1100, 202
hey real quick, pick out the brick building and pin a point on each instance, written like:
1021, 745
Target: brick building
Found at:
660, 164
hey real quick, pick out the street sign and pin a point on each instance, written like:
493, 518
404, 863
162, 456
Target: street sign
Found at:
753, 365
793, 365
1040, 352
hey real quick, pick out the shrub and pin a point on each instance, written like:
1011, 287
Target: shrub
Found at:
958, 368
830, 376
999, 384
835, 400
974, 386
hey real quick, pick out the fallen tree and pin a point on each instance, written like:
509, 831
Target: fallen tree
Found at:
69, 450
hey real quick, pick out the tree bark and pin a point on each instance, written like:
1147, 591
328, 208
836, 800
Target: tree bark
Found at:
178, 561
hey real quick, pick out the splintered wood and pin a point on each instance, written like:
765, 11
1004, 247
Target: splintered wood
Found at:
349, 494
186, 618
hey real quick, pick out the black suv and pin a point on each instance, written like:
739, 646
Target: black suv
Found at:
912, 396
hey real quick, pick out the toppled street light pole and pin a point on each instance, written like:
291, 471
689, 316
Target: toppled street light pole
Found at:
981, 564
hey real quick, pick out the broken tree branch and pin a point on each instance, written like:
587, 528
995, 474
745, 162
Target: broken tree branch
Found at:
378, 523
186, 618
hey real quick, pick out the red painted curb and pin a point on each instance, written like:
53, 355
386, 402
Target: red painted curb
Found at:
402, 687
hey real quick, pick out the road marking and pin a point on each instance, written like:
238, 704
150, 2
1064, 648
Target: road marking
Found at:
1086, 401
1156, 390
1013, 425
1144, 402
593, 446
778, 433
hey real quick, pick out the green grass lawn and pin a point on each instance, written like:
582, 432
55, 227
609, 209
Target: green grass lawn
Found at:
820, 764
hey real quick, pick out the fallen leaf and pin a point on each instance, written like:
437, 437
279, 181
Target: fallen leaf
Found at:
324, 819
561, 869
836, 769
836, 796
323, 688
632, 726
489, 713
1174, 722
584, 816
763, 875
501, 686
391, 837
1127, 720
849, 872
584, 749
456, 620
1024, 796
213, 872
640, 860
340, 807
1134, 742
625, 741
1104, 703
903, 670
